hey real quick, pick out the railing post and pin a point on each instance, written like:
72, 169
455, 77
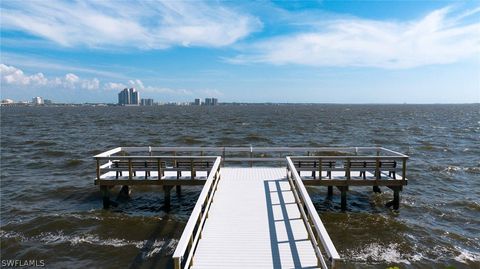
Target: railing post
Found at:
223, 157
130, 169
251, 156
377, 168
159, 168
98, 169
178, 263
192, 170
320, 168
348, 168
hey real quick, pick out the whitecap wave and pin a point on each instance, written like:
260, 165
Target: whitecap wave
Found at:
61, 238
466, 256
379, 253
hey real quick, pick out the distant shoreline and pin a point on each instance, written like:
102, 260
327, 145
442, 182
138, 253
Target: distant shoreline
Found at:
221, 104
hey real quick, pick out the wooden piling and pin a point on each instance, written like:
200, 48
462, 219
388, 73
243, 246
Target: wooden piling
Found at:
178, 190
377, 189
105, 196
395, 203
166, 192
330, 191
105, 190
343, 197
396, 199
124, 193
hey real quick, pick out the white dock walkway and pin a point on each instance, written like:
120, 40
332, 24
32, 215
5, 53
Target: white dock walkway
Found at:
254, 222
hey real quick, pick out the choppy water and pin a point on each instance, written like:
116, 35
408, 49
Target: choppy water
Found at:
51, 211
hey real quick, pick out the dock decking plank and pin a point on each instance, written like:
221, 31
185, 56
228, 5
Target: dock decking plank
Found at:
254, 222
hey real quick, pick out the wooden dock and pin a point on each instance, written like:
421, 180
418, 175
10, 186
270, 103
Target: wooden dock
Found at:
254, 210
254, 222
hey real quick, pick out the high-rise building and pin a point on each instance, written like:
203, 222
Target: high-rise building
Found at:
134, 97
37, 100
197, 102
123, 97
129, 97
211, 101
146, 102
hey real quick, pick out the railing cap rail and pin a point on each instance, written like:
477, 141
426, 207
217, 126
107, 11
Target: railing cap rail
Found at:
189, 228
318, 224
169, 157
150, 149
330, 157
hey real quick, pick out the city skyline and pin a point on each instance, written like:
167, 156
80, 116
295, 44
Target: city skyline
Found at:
285, 52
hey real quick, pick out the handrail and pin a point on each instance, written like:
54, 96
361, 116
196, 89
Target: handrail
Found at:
393, 152
248, 149
254, 154
317, 232
108, 153
153, 157
109, 161
348, 163
366, 157
191, 233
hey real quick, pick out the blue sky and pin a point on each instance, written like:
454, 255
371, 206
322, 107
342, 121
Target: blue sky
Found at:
262, 51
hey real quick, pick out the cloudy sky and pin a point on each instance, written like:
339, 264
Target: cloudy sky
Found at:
262, 51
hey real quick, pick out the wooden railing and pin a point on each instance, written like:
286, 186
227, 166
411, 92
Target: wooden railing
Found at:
252, 154
378, 164
315, 228
134, 163
183, 255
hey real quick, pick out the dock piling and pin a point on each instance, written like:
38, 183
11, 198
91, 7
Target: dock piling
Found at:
330, 191
105, 190
105, 196
166, 192
124, 194
396, 198
178, 190
343, 203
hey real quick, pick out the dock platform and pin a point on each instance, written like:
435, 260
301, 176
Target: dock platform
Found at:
254, 222
254, 210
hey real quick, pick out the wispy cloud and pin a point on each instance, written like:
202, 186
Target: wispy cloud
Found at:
440, 37
139, 24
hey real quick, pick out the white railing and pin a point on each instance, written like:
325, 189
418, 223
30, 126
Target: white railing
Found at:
315, 228
252, 154
183, 255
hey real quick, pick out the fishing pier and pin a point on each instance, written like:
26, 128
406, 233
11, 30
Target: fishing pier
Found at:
254, 210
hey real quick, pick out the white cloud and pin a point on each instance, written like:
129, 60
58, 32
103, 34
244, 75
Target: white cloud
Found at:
70, 80
143, 24
136, 84
11, 75
437, 38
15, 77
91, 84
39, 79
114, 86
